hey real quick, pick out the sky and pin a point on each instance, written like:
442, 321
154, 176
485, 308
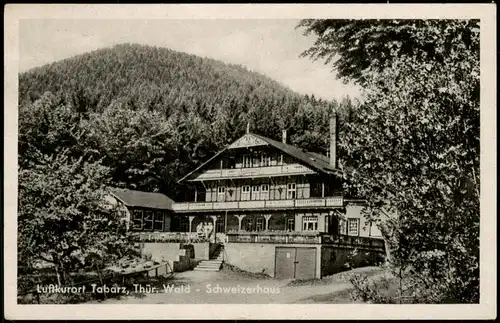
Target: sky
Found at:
268, 46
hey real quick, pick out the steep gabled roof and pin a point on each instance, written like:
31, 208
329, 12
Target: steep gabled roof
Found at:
310, 159
316, 161
142, 199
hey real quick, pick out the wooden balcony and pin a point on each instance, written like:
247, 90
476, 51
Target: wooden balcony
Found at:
254, 172
307, 237
362, 243
156, 236
324, 202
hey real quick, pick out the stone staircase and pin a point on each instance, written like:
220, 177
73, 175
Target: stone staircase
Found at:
212, 264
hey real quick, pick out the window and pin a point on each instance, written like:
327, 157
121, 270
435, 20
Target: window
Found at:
274, 160
158, 224
291, 191
290, 224
247, 162
256, 161
137, 219
266, 160
260, 224
310, 223
264, 192
353, 225
245, 192
221, 190
148, 220
255, 192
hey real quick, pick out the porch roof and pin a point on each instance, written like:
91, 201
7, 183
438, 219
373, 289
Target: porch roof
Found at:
142, 199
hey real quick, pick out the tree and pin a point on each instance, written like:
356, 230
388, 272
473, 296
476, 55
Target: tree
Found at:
64, 219
414, 142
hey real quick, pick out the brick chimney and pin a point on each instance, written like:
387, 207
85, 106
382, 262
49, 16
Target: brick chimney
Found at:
283, 136
333, 141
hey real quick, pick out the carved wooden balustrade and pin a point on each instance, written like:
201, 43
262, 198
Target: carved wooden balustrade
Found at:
326, 202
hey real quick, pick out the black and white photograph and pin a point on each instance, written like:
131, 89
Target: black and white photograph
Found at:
301, 157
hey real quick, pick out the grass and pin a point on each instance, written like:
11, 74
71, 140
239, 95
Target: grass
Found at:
340, 277
227, 268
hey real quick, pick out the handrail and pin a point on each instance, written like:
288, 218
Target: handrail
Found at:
294, 168
330, 201
371, 243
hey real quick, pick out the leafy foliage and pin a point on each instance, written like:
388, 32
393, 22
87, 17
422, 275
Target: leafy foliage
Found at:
414, 142
63, 218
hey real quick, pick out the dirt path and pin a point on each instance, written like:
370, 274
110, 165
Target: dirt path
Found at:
227, 287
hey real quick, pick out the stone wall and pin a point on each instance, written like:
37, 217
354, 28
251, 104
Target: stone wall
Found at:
179, 255
203, 250
252, 257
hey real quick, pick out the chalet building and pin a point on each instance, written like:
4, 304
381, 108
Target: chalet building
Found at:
144, 211
262, 205
258, 184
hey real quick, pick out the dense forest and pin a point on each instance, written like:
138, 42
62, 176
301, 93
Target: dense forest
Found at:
153, 114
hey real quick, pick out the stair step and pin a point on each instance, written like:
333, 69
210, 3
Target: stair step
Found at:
211, 266
206, 269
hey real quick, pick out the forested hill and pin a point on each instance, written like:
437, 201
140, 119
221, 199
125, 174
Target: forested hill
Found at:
152, 113
152, 77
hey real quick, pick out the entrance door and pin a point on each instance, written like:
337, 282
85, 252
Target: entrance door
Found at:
285, 263
295, 263
305, 263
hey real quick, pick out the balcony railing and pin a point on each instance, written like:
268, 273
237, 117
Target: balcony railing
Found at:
254, 172
259, 204
364, 243
185, 237
304, 237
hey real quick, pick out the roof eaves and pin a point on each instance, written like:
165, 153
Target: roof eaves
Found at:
202, 165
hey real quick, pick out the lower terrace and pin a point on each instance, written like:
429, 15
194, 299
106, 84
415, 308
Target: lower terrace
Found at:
276, 237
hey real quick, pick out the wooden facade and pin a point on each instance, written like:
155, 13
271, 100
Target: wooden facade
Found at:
261, 185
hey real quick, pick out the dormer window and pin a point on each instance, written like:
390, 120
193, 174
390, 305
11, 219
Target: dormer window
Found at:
266, 160
256, 161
